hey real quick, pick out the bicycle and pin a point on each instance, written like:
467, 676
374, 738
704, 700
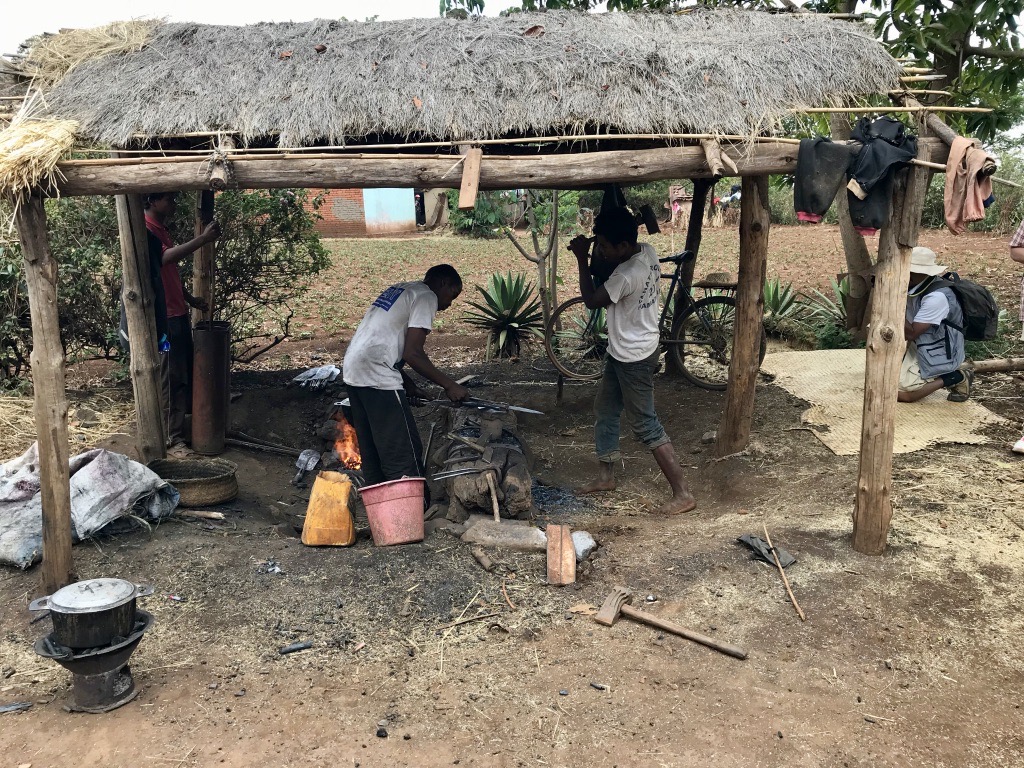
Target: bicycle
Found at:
699, 342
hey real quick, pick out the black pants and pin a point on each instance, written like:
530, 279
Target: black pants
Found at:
178, 384
389, 443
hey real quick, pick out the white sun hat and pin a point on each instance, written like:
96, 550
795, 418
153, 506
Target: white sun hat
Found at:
922, 261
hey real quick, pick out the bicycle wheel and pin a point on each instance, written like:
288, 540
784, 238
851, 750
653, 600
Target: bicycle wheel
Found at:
702, 342
576, 340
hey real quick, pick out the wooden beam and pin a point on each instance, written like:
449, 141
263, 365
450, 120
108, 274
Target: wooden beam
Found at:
885, 347
581, 170
713, 153
203, 264
470, 184
50, 397
734, 429
145, 357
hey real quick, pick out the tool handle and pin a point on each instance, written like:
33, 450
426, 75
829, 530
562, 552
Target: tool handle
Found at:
675, 629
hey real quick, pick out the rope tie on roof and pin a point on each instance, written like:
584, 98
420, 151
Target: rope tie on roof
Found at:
218, 171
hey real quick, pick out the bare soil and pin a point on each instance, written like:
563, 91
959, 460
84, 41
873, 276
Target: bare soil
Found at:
911, 658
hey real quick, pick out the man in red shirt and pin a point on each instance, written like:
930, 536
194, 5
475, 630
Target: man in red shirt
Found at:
177, 362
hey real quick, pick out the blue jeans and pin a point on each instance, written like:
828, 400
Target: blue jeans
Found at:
627, 387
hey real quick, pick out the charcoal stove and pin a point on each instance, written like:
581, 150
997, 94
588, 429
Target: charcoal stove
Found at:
102, 679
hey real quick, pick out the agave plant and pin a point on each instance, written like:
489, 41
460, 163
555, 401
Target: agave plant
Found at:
820, 309
780, 300
509, 312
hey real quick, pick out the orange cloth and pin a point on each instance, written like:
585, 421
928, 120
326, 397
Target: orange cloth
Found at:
966, 191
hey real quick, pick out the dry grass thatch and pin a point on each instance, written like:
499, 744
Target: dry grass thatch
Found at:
106, 416
717, 71
31, 146
54, 56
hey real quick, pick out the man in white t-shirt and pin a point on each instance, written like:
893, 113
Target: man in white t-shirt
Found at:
391, 333
934, 332
631, 296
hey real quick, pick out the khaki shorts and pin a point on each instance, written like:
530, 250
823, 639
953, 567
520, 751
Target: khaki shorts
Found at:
910, 370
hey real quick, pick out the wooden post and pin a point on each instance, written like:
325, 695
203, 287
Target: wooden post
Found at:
734, 430
203, 265
51, 403
137, 295
694, 231
885, 346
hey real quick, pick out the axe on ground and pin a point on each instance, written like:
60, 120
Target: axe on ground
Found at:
617, 603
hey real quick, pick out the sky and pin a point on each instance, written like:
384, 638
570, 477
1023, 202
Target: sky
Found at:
20, 19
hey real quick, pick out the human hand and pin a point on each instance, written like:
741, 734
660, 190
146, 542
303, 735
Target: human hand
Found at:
456, 392
199, 303
580, 246
211, 231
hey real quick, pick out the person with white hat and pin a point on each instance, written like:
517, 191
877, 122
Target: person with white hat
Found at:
935, 342
1017, 254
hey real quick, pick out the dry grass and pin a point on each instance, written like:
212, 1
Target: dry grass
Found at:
711, 71
114, 414
31, 146
55, 56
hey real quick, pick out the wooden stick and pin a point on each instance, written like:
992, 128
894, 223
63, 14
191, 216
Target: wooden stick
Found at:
871, 110
921, 78
503, 592
782, 572
460, 622
999, 364
481, 557
200, 514
489, 474
470, 179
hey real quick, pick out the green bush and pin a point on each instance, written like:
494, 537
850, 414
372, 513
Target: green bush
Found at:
493, 210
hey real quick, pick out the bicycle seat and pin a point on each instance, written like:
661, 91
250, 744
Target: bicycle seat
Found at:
679, 258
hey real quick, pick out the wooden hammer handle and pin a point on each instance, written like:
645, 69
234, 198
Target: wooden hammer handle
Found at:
675, 629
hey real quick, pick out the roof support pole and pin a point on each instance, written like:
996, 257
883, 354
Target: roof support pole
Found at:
885, 347
203, 265
51, 402
734, 429
145, 358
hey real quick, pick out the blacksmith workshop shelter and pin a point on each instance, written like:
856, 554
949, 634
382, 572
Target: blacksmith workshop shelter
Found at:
556, 100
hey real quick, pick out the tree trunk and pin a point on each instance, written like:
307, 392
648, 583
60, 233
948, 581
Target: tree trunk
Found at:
50, 398
885, 347
137, 295
734, 430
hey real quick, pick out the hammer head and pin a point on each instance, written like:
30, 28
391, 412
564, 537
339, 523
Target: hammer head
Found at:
609, 612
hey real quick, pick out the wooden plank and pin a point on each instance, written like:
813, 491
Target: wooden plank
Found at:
203, 263
470, 178
144, 360
885, 346
561, 556
50, 397
734, 429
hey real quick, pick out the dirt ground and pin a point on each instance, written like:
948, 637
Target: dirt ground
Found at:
911, 658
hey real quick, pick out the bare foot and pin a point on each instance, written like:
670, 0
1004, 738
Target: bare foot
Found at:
677, 505
595, 486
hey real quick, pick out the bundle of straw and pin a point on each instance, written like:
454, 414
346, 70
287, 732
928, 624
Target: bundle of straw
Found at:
54, 56
31, 147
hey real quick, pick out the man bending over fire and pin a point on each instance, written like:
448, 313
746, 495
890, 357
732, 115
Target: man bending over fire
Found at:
392, 333
631, 296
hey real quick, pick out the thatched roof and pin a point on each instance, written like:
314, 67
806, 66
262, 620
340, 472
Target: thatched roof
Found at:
722, 72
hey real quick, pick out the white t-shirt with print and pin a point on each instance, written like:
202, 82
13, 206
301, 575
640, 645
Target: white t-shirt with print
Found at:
633, 315
379, 343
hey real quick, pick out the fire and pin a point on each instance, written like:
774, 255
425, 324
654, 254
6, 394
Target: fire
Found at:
346, 446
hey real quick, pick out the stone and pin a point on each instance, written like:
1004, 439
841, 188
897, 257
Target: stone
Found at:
506, 535
443, 524
709, 437
584, 544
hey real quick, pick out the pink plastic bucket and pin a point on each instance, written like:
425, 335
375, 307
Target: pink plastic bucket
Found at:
395, 511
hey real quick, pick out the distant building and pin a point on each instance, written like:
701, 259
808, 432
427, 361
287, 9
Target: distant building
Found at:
379, 212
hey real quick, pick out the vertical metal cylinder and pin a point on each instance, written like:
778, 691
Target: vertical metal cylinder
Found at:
210, 386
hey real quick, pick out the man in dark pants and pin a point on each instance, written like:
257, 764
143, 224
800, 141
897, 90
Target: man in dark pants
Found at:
631, 297
392, 332
177, 395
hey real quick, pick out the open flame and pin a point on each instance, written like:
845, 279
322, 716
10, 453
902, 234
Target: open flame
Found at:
346, 446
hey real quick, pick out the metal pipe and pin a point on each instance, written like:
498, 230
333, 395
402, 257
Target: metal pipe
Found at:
210, 391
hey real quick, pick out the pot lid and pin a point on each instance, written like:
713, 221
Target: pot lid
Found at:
92, 595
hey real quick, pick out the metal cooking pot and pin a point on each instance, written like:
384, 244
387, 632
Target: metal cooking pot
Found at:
88, 614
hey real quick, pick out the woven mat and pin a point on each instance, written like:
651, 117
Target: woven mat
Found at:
832, 380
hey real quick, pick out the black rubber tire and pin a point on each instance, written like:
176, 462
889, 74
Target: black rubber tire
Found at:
706, 363
590, 364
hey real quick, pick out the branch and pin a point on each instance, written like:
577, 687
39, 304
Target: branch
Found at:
508, 233
994, 53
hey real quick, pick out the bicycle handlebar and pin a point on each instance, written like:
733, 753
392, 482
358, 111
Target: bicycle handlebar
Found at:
680, 258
